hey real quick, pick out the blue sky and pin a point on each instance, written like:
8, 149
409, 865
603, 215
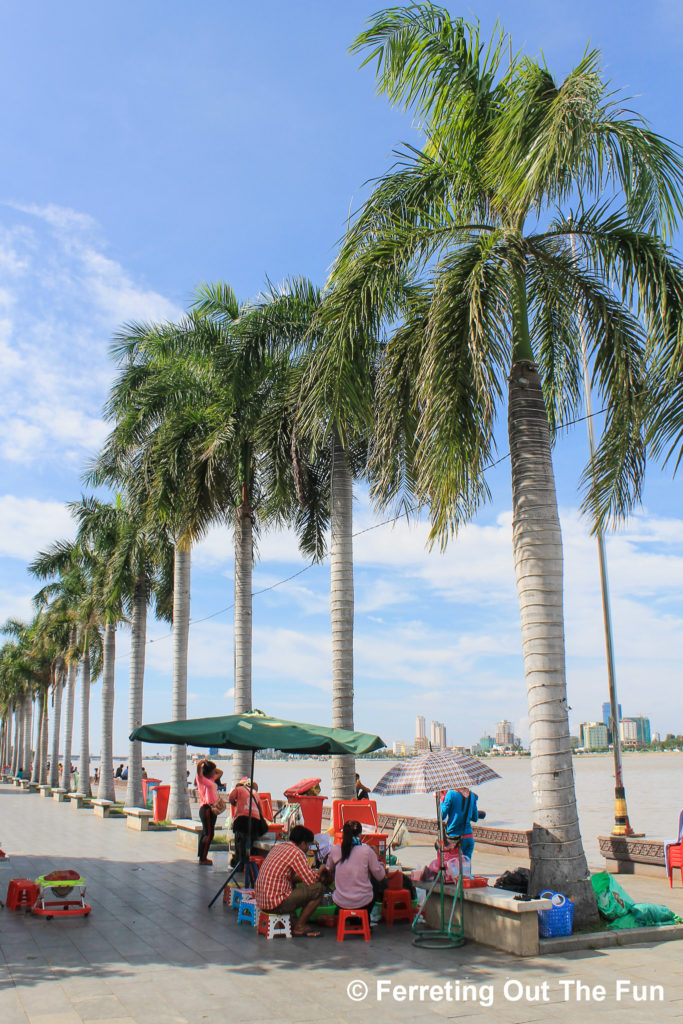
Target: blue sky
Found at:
148, 147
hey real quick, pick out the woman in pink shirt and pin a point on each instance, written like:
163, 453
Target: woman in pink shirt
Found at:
357, 871
207, 777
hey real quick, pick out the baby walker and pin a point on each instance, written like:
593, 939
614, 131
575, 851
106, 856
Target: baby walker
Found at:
61, 884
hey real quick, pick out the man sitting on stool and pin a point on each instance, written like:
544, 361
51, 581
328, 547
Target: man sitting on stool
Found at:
285, 865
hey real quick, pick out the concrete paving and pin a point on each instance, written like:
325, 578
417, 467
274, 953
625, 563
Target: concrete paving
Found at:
152, 953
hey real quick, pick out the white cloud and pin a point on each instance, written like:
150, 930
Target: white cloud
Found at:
28, 526
67, 298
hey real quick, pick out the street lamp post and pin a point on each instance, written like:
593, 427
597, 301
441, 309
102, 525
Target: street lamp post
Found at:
622, 825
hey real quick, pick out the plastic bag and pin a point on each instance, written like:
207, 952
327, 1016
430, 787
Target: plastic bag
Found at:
613, 902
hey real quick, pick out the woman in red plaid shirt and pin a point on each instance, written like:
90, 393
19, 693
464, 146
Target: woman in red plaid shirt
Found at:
285, 865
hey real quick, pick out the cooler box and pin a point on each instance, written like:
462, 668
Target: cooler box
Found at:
364, 811
160, 796
311, 806
148, 784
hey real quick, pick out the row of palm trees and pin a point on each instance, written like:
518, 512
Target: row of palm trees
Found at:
532, 209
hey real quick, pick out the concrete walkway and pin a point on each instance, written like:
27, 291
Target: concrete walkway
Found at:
152, 953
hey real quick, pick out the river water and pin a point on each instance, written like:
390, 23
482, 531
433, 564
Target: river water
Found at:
654, 791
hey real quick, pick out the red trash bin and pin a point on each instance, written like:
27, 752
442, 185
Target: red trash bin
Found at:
147, 797
311, 806
160, 802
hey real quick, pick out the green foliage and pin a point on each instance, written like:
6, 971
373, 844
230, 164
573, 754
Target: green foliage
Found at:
467, 254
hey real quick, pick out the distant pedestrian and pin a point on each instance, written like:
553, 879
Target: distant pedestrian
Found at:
118, 774
361, 791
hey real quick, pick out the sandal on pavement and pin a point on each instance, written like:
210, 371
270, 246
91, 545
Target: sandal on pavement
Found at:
308, 934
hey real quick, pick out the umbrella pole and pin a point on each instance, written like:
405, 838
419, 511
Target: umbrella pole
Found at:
445, 936
240, 864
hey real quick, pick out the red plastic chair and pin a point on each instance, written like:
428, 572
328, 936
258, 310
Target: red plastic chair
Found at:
344, 926
675, 860
673, 854
267, 807
397, 906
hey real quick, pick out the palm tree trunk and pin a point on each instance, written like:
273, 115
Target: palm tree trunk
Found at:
558, 860
44, 731
341, 614
244, 561
69, 724
26, 757
138, 637
35, 767
56, 726
18, 740
105, 790
179, 802
9, 749
84, 753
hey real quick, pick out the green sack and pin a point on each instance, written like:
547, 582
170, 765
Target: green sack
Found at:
648, 914
612, 901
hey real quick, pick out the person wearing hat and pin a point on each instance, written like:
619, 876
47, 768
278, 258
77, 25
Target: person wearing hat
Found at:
246, 805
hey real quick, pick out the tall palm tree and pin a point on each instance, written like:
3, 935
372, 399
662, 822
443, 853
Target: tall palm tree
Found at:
464, 249
73, 574
157, 405
284, 323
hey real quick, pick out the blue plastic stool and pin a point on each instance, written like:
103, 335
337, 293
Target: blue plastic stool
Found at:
248, 911
241, 894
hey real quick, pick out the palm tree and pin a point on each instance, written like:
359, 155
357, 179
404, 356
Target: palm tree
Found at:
72, 570
463, 249
284, 322
157, 405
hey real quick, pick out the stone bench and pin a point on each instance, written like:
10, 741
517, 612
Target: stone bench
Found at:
17, 783
492, 917
137, 818
102, 808
187, 832
45, 792
76, 800
59, 795
633, 855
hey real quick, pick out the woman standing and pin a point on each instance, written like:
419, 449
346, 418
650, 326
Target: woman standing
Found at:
357, 871
209, 806
248, 818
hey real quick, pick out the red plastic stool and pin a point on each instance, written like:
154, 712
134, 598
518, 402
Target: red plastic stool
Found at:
21, 892
344, 928
397, 905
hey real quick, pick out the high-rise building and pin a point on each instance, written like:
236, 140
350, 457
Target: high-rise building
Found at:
593, 736
437, 735
485, 743
606, 718
420, 728
636, 731
399, 748
505, 736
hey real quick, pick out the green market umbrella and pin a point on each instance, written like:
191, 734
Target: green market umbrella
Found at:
254, 731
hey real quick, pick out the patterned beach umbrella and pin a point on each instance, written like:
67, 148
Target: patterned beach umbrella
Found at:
434, 771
